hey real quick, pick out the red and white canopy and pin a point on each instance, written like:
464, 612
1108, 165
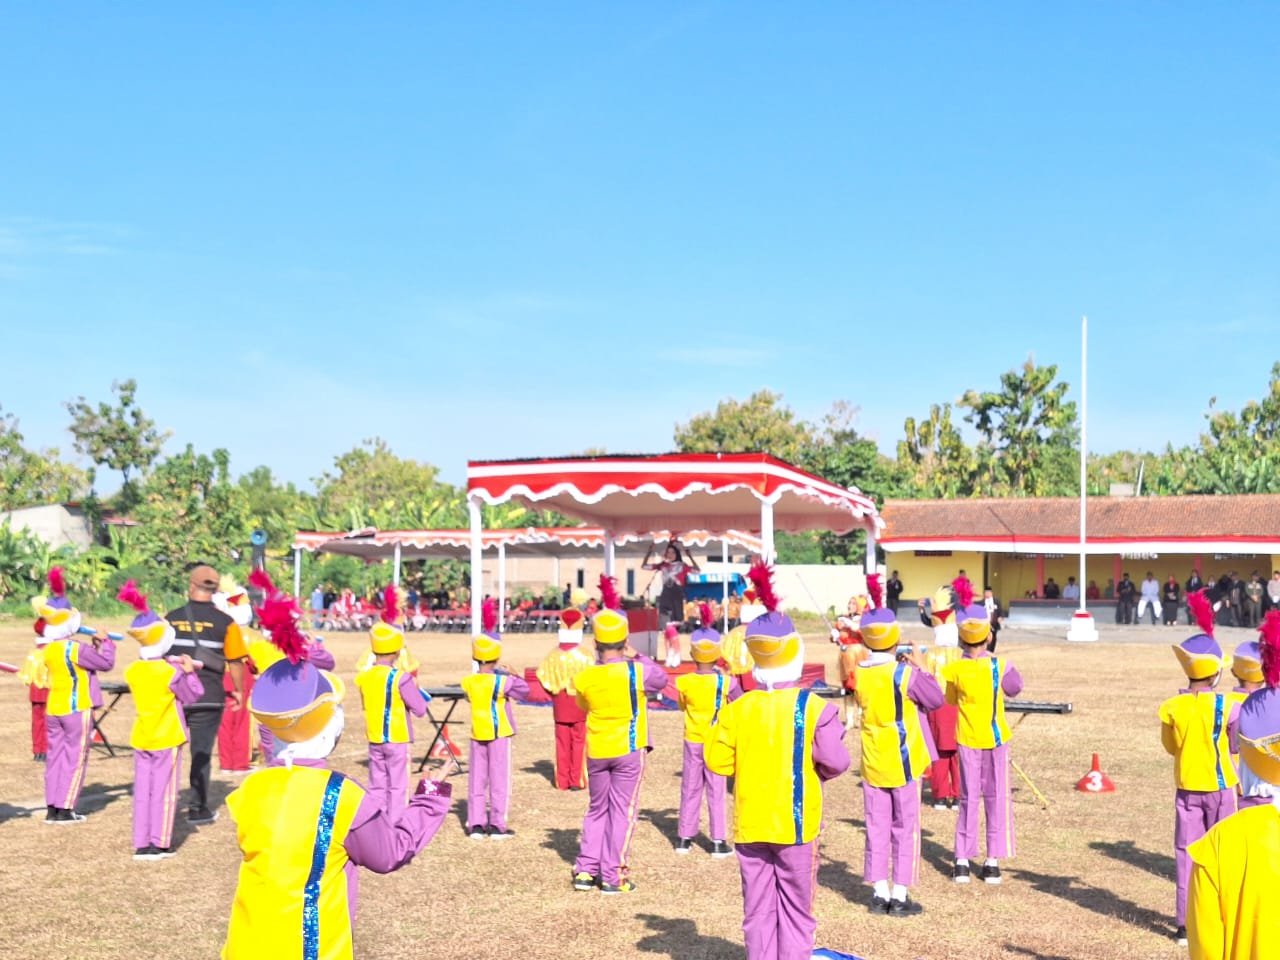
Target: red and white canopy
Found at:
676, 491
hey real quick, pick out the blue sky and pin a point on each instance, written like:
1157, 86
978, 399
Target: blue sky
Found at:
516, 229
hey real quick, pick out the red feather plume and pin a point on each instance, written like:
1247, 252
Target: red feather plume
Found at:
390, 605
262, 580
761, 577
1269, 641
875, 591
609, 593
489, 615
1200, 607
279, 616
57, 582
130, 594
963, 587
704, 612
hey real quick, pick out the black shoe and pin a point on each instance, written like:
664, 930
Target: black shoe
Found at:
476, 833
879, 904
1180, 935
585, 881
904, 908
62, 815
149, 852
951, 803
496, 834
720, 850
199, 816
684, 845
989, 873
622, 886
38, 757
960, 873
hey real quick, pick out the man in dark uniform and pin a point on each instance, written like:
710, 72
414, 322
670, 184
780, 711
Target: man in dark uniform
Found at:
209, 636
893, 589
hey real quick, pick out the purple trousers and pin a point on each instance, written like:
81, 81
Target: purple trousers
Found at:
614, 788
1244, 803
155, 796
778, 884
695, 780
389, 776
489, 783
984, 780
68, 757
893, 830
266, 745
1194, 812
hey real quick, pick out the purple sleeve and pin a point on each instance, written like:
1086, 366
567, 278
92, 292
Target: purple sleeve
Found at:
1233, 728
830, 756
518, 688
923, 688
186, 686
655, 678
321, 657
735, 689
103, 658
412, 696
1011, 682
380, 845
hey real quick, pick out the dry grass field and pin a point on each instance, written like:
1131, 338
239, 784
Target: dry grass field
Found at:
1093, 877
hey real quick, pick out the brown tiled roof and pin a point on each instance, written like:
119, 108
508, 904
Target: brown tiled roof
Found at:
1146, 518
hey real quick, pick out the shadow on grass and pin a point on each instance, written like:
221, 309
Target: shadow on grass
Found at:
837, 876
678, 937
935, 854
1097, 900
666, 821
1017, 951
564, 842
218, 792
1157, 864
542, 768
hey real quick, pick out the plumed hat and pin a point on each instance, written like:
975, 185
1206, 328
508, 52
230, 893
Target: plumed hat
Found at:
386, 635
704, 643
878, 625
771, 637
1259, 729
61, 619
1200, 654
295, 701
974, 624
609, 626
1246, 663
486, 646
153, 632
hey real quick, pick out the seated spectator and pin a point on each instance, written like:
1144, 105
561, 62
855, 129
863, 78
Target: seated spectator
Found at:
1092, 592
1072, 590
1051, 590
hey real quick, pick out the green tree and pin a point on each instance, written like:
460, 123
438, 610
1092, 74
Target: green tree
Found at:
30, 477
121, 437
276, 508
1239, 452
1028, 443
934, 460
761, 423
373, 486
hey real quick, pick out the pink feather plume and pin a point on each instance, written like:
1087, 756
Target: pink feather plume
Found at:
262, 580
1200, 607
130, 594
390, 604
1269, 641
489, 615
609, 593
963, 587
761, 577
57, 582
875, 591
704, 612
279, 615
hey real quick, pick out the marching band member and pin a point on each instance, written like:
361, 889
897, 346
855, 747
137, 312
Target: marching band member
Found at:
1197, 728
778, 726
977, 684
490, 691
1235, 866
1246, 667
302, 828
893, 692
72, 665
615, 694
939, 614
35, 675
556, 674
702, 696
159, 689
389, 694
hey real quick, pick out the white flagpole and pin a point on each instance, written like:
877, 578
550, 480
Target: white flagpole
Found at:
1082, 627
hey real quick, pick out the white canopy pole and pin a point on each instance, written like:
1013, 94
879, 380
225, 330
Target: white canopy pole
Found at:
502, 585
395, 562
477, 578
555, 572
869, 565
297, 573
766, 531
610, 553
724, 572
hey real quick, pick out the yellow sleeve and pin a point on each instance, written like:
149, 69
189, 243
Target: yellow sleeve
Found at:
720, 754
1168, 737
1206, 932
233, 645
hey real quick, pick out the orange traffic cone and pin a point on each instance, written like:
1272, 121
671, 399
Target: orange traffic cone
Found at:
1095, 781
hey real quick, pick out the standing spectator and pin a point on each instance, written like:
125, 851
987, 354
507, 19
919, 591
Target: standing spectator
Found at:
564, 597
1126, 599
205, 633
995, 614
330, 595
1221, 594
1253, 592
1072, 590
1273, 589
893, 589
1193, 584
1150, 597
1051, 590
1170, 597
317, 606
